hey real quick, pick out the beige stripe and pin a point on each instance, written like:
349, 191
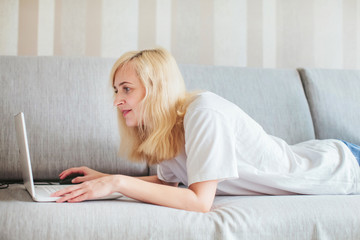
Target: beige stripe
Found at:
350, 33
269, 33
28, 19
163, 24
230, 32
9, 19
46, 27
255, 33
147, 24
93, 28
328, 34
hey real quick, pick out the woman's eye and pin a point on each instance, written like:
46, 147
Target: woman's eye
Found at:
116, 91
126, 89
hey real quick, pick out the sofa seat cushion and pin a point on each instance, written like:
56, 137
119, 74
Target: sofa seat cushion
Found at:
239, 217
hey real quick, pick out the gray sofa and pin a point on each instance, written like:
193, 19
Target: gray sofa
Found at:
71, 122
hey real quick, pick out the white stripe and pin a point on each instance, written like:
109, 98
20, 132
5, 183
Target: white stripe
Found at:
73, 27
357, 35
230, 29
328, 47
119, 27
349, 31
9, 24
46, 27
163, 24
269, 33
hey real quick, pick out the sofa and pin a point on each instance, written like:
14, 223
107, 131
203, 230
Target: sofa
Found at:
71, 121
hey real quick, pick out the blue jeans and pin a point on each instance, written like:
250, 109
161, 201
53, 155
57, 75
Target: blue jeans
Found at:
355, 149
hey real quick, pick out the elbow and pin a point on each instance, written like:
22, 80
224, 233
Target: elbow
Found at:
204, 209
201, 208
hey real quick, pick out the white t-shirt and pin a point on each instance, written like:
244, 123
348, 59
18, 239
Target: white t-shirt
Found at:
223, 143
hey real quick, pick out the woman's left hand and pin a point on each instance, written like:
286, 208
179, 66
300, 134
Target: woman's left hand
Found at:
93, 189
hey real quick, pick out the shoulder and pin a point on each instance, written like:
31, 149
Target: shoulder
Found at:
211, 104
210, 111
210, 101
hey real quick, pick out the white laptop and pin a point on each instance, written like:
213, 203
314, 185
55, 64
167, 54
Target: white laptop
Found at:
39, 193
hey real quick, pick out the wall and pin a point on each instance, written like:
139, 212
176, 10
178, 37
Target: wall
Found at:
254, 33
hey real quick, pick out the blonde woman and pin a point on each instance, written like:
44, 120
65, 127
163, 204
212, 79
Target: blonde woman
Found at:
205, 142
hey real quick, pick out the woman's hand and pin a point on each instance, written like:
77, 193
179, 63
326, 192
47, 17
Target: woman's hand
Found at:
89, 174
93, 189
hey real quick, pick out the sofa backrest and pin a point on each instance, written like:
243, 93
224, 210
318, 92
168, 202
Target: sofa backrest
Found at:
69, 115
70, 119
334, 99
273, 97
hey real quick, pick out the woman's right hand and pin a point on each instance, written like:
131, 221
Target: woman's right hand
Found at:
89, 174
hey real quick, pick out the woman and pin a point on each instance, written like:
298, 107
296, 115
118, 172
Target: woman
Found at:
205, 142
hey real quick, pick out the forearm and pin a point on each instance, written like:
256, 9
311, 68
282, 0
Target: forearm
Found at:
152, 179
155, 179
147, 191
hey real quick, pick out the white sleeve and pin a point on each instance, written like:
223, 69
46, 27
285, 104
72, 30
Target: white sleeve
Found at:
165, 173
210, 146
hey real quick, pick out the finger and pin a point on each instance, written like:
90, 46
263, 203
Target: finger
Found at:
70, 196
80, 198
79, 180
69, 171
65, 173
83, 178
65, 191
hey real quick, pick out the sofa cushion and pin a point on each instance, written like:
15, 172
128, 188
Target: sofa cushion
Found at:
273, 97
69, 116
334, 99
240, 217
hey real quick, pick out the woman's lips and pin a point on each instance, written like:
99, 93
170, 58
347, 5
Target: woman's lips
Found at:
125, 112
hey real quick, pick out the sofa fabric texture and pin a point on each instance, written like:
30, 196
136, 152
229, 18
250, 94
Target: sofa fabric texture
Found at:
69, 116
334, 99
70, 120
273, 97
237, 217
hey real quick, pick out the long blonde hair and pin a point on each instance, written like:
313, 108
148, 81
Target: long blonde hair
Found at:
160, 133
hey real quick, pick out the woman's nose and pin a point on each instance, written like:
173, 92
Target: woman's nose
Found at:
118, 101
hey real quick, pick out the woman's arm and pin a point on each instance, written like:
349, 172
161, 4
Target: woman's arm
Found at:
90, 174
198, 197
155, 179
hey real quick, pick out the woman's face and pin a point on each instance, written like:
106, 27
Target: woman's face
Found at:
129, 92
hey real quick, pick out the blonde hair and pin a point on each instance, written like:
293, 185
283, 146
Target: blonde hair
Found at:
160, 133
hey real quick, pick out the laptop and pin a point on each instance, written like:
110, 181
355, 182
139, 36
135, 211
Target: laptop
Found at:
39, 193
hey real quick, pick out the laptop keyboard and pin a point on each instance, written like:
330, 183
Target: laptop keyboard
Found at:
48, 189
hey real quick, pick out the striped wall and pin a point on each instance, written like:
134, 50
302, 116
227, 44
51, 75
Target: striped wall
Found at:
253, 33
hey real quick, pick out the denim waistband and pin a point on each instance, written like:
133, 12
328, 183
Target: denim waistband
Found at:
355, 149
